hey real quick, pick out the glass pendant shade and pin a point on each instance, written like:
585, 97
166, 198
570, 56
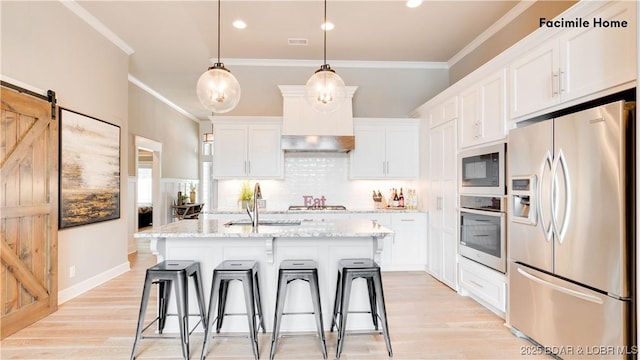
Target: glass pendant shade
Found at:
325, 90
218, 90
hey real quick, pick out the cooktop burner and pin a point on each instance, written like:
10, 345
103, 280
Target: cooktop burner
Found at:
317, 207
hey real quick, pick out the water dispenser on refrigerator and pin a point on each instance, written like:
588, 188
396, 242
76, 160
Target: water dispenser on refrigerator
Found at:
524, 207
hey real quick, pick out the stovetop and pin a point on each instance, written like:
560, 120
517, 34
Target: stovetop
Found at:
317, 207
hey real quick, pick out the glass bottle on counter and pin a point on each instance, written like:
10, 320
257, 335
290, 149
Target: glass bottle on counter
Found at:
401, 199
414, 199
396, 200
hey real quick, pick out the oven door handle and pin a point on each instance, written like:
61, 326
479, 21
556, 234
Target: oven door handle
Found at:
482, 212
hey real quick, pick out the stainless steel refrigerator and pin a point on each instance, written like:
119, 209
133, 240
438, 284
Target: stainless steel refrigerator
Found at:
571, 237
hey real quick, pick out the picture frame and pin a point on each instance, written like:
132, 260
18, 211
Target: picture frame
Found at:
89, 186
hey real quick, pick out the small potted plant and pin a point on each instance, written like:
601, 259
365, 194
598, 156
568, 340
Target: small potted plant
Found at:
246, 194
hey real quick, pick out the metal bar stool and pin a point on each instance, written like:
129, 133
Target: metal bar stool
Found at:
348, 270
245, 271
291, 270
165, 274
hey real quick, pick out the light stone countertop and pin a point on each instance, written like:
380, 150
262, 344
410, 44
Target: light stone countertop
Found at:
285, 211
210, 228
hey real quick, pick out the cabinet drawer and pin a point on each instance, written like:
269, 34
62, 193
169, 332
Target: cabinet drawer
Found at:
485, 285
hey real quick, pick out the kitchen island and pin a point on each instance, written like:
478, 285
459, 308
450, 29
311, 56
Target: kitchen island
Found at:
212, 241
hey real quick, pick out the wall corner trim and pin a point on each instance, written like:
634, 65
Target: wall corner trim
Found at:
134, 80
101, 28
490, 31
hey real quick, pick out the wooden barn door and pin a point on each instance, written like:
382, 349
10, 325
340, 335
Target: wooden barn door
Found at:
28, 210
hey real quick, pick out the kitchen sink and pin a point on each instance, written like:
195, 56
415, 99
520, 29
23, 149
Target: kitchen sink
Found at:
267, 222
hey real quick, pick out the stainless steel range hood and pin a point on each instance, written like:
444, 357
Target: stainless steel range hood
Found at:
318, 143
307, 130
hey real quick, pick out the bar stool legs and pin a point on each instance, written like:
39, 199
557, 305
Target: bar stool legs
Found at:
349, 270
246, 272
166, 274
291, 270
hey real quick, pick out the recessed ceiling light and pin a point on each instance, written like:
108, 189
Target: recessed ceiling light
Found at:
239, 24
413, 3
327, 26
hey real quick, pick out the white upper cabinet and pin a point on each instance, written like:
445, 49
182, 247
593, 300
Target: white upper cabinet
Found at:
247, 149
385, 149
483, 111
578, 63
534, 80
447, 110
368, 159
597, 58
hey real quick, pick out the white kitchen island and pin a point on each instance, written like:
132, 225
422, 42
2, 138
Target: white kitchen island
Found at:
211, 241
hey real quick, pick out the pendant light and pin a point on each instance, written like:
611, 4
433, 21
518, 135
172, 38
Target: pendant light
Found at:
218, 90
325, 90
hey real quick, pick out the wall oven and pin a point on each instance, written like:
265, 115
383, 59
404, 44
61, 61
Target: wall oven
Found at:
482, 170
483, 230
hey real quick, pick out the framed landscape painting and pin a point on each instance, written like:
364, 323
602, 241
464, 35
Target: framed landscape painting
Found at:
89, 170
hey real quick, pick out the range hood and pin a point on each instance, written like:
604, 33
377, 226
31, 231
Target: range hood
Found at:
318, 143
307, 130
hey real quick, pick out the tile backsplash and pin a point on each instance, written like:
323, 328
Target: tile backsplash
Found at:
321, 174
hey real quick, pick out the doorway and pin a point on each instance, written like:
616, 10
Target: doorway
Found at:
148, 204
144, 189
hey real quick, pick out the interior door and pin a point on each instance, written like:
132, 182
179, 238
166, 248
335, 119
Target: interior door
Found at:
28, 210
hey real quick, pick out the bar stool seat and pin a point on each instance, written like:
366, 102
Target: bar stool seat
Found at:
349, 270
292, 270
245, 271
165, 274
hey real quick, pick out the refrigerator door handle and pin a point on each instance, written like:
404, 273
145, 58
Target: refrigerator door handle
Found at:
561, 231
583, 296
548, 231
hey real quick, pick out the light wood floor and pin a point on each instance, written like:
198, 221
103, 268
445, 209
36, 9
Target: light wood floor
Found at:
427, 320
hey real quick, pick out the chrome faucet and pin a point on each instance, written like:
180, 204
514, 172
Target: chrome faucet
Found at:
257, 195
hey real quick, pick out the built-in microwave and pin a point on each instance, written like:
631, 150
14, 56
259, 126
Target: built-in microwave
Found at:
482, 170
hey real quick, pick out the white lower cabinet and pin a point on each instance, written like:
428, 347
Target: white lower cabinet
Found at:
406, 249
485, 285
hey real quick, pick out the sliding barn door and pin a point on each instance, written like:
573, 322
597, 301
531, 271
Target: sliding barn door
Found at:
28, 211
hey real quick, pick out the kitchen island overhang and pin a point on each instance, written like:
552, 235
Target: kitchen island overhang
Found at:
210, 242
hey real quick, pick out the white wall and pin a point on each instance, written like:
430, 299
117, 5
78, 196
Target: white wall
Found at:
45, 46
316, 175
178, 134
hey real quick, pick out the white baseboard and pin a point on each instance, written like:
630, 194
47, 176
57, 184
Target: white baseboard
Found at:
86, 285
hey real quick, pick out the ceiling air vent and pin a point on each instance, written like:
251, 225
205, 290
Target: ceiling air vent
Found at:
298, 42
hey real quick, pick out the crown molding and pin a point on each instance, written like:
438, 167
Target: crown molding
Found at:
83, 14
334, 63
158, 96
516, 11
